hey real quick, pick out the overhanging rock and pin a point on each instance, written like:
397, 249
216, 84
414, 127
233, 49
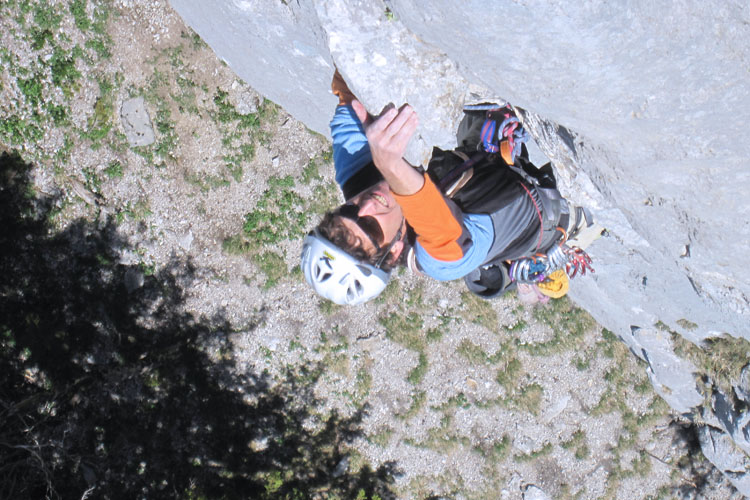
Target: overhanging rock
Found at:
367, 46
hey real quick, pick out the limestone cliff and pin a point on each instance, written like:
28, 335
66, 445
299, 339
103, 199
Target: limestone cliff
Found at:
643, 108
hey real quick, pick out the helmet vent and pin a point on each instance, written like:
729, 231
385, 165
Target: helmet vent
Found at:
354, 290
364, 270
321, 274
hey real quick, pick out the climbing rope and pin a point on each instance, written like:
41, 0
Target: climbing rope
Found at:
510, 129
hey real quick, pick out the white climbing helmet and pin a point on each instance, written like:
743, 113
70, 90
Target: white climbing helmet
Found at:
336, 275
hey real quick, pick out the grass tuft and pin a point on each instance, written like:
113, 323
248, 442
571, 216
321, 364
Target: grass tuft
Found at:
721, 359
478, 311
569, 324
418, 372
404, 329
528, 398
273, 266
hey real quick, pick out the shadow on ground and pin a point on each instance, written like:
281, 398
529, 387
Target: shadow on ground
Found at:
700, 476
109, 389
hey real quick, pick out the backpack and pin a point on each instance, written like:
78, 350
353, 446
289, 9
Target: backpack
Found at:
487, 172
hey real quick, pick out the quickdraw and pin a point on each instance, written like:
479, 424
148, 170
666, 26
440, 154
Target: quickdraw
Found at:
536, 269
531, 270
578, 262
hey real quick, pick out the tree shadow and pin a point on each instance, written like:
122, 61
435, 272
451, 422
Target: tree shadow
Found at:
700, 477
109, 389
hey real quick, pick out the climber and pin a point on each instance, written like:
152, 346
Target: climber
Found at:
468, 218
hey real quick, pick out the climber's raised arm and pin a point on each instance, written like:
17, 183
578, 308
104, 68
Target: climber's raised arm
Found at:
388, 136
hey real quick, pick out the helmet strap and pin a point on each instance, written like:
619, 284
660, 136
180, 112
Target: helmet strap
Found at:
387, 252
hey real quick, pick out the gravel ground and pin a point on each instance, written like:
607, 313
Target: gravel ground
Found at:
469, 399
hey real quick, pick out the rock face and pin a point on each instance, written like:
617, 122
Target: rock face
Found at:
644, 115
671, 376
417, 73
724, 454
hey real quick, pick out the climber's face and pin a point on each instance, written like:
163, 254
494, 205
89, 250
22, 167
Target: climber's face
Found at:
379, 208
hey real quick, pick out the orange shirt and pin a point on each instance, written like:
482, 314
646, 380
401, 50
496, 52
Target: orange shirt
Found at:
431, 216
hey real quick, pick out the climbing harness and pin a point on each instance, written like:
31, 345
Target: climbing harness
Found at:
556, 258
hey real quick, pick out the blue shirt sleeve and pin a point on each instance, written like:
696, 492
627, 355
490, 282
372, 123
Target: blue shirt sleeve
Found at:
482, 233
351, 151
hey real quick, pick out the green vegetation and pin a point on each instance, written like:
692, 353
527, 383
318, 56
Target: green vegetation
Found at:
93, 182
441, 439
195, 40
472, 352
32, 89
166, 143
325, 196
100, 121
510, 370
418, 400
720, 359
240, 131
62, 66
417, 373
363, 384
541, 452
663, 493
134, 211
404, 329
568, 323
434, 334
362, 495
51, 78
528, 398
280, 214
458, 401
327, 307
478, 311
114, 170
78, 9
577, 443
206, 182
497, 451
310, 172
382, 438
272, 265
47, 21
686, 324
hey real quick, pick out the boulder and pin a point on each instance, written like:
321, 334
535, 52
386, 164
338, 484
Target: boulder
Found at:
720, 450
136, 122
672, 377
